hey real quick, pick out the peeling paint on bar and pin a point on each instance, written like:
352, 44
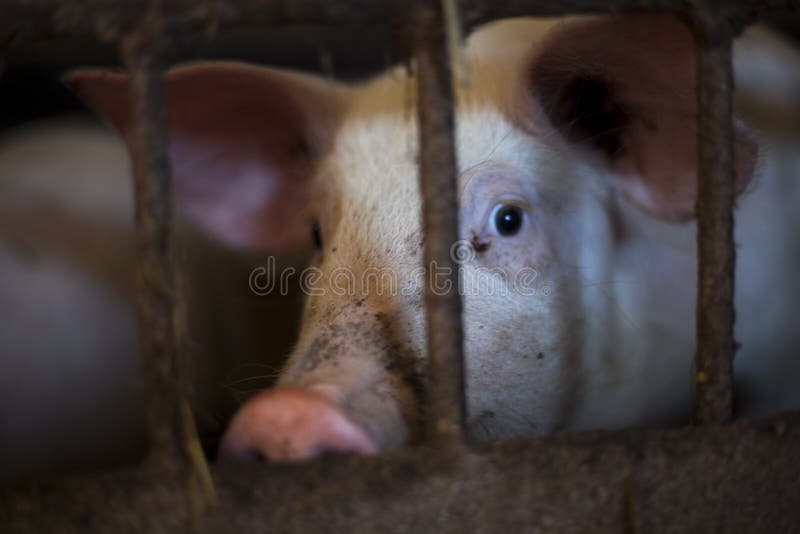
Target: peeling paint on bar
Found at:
437, 175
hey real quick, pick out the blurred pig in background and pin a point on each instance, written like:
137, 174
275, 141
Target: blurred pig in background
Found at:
70, 387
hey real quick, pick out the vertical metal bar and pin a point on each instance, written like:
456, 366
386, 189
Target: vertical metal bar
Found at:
715, 198
175, 452
174, 446
156, 279
437, 175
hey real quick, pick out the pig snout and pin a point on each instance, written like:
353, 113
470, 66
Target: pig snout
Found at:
293, 423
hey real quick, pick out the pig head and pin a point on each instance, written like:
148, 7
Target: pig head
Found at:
560, 124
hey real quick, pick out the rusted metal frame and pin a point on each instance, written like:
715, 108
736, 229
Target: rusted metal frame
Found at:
716, 253
174, 445
124, 501
438, 186
740, 477
110, 19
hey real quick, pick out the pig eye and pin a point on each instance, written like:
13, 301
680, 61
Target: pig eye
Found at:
507, 219
316, 236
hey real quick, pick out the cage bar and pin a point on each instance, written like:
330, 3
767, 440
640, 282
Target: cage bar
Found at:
715, 247
156, 283
108, 20
438, 185
740, 477
173, 442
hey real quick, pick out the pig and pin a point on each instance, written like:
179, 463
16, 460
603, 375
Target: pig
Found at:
576, 149
70, 390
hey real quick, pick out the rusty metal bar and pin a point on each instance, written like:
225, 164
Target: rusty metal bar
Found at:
715, 200
110, 19
156, 277
740, 477
174, 446
437, 177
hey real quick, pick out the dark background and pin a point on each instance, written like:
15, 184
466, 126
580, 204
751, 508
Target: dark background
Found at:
30, 88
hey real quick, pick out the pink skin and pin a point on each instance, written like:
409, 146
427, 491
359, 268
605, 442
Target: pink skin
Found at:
291, 424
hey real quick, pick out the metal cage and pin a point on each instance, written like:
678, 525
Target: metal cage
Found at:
717, 475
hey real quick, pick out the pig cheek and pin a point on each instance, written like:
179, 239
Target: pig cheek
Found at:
510, 378
519, 374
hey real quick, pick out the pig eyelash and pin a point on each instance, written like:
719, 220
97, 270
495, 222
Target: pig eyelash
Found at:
486, 159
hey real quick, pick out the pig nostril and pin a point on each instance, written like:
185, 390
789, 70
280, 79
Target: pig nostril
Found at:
290, 423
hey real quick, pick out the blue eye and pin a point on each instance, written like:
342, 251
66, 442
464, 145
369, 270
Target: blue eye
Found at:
507, 219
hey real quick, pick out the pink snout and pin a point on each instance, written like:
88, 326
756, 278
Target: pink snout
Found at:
292, 423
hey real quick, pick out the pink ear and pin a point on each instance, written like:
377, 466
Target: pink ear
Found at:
241, 143
625, 86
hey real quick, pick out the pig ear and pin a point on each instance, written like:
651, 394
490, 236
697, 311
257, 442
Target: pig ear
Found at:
242, 143
625, 87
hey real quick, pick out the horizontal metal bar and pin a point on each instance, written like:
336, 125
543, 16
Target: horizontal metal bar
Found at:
25, 20
438, 186
735, 478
